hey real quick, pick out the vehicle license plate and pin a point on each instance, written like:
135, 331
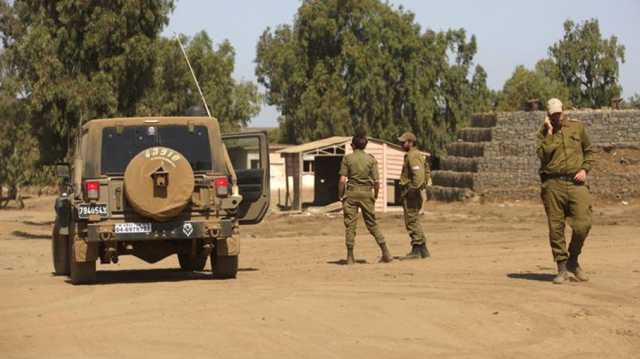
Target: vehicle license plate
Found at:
132, 227
88, 209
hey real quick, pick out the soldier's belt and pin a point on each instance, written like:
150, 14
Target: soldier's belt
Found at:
562, 177
358, 187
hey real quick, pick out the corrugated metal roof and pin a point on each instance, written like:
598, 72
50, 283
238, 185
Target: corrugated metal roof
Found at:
310, 146
330, 141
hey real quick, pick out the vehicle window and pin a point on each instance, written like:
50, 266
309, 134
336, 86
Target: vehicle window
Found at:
244, 152
193, 144
118, 148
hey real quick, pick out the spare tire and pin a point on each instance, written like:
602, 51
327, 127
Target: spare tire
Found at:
158, 183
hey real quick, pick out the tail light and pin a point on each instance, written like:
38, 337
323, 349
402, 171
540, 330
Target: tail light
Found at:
93, 189
222, 186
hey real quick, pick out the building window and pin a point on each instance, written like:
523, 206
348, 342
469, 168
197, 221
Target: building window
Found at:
307, 166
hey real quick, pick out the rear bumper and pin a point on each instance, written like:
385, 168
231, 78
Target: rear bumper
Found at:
180, 230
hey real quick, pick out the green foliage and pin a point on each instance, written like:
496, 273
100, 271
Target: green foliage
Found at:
173, 90
77, 60
633, 102
525, 85
347, 63
274, 135
18, 148
70, 61
588, 64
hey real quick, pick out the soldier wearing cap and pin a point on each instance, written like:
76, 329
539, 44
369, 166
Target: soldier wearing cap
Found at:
566, 156
413, 181
358, 189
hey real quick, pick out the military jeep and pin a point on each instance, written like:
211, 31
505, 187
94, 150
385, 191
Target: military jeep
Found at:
157, 186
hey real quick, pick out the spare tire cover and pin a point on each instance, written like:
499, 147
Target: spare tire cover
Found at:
158, 183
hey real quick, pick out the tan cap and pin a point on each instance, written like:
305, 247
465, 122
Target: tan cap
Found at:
407, 136
554, 106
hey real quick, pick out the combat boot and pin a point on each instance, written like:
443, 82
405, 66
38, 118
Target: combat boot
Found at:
564, 276
350, 258
386, 256
415, 252
424, 252
574, 267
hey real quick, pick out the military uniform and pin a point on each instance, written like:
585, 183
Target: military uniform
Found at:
413, 182
562, 154
361, 170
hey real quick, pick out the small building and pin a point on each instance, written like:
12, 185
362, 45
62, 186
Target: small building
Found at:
277, 180
322, 158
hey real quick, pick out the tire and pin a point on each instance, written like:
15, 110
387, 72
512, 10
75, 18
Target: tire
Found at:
160, 203
187, 263
80, 272
224, 267
59, 251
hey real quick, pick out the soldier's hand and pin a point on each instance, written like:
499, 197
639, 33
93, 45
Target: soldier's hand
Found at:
548, 125
581, 176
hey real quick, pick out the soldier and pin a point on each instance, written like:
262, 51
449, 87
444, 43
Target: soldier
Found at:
413, 181
566, 156
361, 171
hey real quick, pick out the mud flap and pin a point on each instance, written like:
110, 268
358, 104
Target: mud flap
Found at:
84, 251
229, 246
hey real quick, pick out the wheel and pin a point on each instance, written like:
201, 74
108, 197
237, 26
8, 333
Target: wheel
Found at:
224, 267
187, 263
80, 272
59, 251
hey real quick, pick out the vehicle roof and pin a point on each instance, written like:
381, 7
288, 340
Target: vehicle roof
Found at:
148, 120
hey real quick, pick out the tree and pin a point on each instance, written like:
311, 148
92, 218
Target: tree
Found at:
484, 99
345, 64
633, 102
18, 149
525, 85
77, 60
588, 64
173, 90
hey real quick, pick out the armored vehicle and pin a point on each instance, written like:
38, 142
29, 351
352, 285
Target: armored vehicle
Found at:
157, 186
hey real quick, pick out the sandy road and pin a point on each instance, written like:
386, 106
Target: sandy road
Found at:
484, 294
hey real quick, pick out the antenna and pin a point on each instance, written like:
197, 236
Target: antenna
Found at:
206, 107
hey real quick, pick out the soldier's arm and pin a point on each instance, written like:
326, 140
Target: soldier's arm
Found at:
375, 177
587, 150
427, 171
341, 185
416, 168
344, 172
545, 143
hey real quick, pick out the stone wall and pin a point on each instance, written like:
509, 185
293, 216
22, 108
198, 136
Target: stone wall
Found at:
495, 157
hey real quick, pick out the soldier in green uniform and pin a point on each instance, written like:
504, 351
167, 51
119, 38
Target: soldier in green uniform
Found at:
413, 181
358, 188
566, 156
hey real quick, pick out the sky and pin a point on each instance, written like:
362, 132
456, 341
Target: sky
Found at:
509, 32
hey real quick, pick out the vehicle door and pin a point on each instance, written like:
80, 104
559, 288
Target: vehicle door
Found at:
249, 154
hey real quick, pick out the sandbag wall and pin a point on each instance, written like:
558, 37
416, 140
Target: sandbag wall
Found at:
495, 157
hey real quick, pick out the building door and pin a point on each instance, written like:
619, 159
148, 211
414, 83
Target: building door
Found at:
326, 179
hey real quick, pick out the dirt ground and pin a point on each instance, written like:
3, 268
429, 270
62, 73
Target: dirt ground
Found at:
486, 293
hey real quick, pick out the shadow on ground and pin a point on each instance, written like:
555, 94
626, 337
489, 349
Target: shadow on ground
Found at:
542, 277
343, 262
154, 276
27, 235
39, 223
